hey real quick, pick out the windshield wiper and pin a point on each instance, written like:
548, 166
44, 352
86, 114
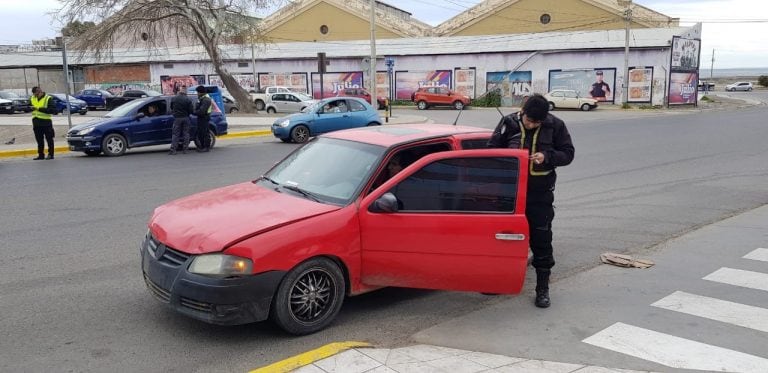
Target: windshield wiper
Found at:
303, 192
263, 177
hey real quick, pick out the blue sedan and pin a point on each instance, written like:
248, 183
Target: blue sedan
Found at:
331, 114
142, 122
76, 105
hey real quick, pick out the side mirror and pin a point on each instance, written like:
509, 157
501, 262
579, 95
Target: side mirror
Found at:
386, 203
142, 96
139, 116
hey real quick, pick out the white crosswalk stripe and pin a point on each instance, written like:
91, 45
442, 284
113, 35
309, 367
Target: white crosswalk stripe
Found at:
675, 352
738, 277
716, 309
758, 254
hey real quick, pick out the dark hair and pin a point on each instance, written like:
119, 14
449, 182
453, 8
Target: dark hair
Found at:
536, 107
599, 72
35, 89
200, 89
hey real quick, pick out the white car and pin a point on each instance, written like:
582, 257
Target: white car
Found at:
568, 98
739, 86
289, 102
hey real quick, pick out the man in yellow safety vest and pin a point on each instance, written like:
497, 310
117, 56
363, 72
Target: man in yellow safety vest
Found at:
42, 108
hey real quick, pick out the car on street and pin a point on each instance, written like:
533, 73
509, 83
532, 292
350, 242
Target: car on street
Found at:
706, 86
426, 97
330, 114
263, 96
331, 221
76, 105
133, 125
739, 86
129, 95
230, 105
288, 102
19, 103
6, 106
569, 99
364, 94
95, 98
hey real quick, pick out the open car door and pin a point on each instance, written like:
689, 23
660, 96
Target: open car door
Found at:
452, 220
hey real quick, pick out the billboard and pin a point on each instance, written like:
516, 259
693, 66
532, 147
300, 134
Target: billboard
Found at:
244, 80
118, 88
683, 87
465, 81
171, 85
382, 84
595, 83
640, 80
513, 86
297, 82
333, 82
407, 82
685, 53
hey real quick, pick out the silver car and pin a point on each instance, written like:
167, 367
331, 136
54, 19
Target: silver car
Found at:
291, 102
739, 86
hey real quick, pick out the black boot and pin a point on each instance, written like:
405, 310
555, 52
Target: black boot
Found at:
542, 288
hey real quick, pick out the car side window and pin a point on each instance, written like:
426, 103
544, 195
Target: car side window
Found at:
443, 90
278, 97
557, 94
474, 144
356, 106
570, 94
461, 185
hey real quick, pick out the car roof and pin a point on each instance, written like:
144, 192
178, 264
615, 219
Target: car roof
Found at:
390, 135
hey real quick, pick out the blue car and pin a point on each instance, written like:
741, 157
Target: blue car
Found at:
94, 98
76, 105
330, 114
142, 122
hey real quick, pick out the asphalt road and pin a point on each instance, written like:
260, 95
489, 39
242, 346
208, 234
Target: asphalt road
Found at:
72, 297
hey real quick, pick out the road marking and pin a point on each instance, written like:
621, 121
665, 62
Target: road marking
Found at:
716, 309
738, 277
309, 357
758, 254
674, 352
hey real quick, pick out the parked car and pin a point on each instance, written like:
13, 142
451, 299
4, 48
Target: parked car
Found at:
19, 103
364, 94
318, 227
75, 105
289, 102
330, 114
739, 86
95, 98
230, 106
425, 97
132, 125
6, 106
706, 86
262, 97
130, 95
569, 99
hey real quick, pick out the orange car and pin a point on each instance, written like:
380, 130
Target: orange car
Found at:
425, 97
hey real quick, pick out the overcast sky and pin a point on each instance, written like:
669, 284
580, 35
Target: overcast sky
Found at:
736, 43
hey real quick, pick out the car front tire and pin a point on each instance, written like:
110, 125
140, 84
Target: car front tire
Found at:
271, 110
586, 107
309, 297
422, 105
259, 105
300, 134
114, 145
213, 140
458, 105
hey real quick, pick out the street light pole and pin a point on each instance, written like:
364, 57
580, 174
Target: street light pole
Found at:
66, 79
373, 54
628, 21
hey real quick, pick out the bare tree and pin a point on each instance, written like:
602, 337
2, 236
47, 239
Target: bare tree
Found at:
153, 22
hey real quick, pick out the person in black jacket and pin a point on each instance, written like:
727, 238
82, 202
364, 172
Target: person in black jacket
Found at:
549, 145
181, 106
43, 106
203, 112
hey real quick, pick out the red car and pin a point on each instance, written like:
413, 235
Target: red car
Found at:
425, 97
363, 93
335, 218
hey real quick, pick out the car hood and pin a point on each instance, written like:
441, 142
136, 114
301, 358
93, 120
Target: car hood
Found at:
214, 220
90, 123
294, 117
4, 101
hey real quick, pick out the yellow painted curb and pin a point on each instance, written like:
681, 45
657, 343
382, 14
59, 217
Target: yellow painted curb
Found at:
309, 357
245, 134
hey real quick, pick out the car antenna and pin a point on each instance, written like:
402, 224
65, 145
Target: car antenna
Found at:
457, 117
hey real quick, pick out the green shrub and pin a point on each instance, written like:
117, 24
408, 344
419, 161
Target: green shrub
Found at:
763, 80
626, 106
402, 103
489, 99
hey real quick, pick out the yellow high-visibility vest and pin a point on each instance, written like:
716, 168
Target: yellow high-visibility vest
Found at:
40, 104
533, 149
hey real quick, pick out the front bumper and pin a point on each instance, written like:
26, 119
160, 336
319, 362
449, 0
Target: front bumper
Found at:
281, 132
222, 301
83, 143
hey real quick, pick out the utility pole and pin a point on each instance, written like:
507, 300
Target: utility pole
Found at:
712, 66
253, 64
628, 21
373, 55
66, 78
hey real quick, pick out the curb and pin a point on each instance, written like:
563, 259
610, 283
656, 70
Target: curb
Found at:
309, 357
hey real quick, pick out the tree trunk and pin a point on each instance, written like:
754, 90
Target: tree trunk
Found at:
238, 93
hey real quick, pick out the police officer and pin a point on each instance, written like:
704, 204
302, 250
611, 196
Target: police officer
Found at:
181, 106
42, 108
203, 112
549, 145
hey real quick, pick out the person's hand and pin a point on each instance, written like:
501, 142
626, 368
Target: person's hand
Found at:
537, 158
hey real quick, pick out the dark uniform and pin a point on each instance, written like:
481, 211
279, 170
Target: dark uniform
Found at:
553, 140
182, 108
42, 125
203, 112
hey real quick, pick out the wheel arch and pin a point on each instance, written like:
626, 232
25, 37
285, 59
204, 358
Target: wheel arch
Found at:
120, 132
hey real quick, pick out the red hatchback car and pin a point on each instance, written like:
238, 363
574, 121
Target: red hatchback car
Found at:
425, 97
336, 218
363, 93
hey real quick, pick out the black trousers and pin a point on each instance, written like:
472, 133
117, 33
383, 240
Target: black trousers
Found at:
44, 132
540, 212
202, 135
180, 133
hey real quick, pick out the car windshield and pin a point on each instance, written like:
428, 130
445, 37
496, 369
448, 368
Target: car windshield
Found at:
152, 93
314, 168
125, 109
9, 95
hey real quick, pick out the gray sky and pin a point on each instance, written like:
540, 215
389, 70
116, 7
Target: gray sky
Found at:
736, 43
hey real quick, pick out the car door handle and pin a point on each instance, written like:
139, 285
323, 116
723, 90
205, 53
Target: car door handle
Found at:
510, 236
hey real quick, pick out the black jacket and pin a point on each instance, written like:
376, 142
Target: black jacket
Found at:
553, 140
203, 104
181, 106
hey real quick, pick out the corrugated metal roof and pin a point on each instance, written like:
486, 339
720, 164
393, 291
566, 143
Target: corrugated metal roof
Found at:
549, 41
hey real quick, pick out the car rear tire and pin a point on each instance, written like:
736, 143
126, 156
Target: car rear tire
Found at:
749, 89
585, 107
422, 105
309, 297
114, 145
233, 110
374, 124
259, 104
551, 106
213, 140
271, 110
300, 134
458, 105
92, 153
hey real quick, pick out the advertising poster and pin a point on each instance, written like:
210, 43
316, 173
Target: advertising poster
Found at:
333, 82
513, 86
382, 84
297, 82
117, 88
640, 79
172, 84
685, 53
244, 80
595, 83
407, 82
682, 88
464, 83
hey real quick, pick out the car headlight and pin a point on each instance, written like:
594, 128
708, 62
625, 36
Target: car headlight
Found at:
284, 123
221, 265
85, 131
